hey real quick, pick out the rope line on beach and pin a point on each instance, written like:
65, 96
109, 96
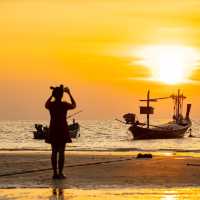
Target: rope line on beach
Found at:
194, 165
68, 166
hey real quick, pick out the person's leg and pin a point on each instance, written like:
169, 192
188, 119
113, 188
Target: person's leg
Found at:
54, 160
61, 160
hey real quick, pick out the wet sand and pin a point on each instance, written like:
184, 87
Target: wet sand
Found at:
117, 175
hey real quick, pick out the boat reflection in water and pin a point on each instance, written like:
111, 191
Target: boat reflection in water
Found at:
173, 129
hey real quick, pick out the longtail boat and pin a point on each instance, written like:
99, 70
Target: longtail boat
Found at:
42, 131
176, 128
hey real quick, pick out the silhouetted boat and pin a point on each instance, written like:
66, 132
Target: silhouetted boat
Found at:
173, 129
42, 131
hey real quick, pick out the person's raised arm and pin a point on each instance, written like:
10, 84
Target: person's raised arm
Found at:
48, 102
73, 102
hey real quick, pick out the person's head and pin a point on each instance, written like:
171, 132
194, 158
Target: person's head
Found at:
58, 92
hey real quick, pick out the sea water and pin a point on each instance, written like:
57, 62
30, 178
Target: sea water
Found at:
95, 135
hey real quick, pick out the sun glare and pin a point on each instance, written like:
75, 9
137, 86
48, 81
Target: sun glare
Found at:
168, 63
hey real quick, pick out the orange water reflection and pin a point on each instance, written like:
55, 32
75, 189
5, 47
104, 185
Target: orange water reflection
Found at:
99, 194
170, 195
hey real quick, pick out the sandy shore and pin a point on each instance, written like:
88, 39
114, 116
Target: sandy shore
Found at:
99, 170
100, 175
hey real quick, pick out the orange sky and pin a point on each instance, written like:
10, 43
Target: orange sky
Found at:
86, 45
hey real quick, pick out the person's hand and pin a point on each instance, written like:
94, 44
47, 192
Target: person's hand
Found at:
53, 93
66, 89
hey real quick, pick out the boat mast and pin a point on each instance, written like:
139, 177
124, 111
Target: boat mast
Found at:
178, 105
148, 100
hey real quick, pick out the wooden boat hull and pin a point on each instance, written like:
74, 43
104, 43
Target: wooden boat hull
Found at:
172, 131
74, 131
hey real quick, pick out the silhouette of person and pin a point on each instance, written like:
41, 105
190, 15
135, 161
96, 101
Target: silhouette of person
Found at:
58, 134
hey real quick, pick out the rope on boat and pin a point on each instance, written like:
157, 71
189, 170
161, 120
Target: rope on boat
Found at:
66, 166
74, 114
121, 121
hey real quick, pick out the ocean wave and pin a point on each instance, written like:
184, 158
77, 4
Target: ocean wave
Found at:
104, 135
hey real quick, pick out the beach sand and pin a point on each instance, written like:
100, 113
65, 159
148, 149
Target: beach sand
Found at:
100, 174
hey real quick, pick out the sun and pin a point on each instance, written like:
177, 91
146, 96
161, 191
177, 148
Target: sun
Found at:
169, 64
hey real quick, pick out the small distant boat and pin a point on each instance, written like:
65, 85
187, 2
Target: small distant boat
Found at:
42, 131
176, 128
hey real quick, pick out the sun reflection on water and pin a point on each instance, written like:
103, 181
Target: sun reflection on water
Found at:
170, 195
